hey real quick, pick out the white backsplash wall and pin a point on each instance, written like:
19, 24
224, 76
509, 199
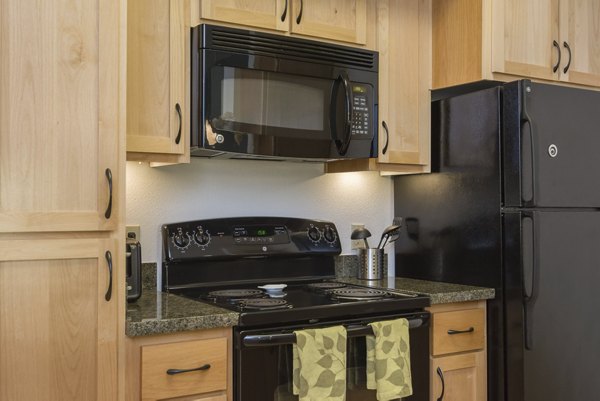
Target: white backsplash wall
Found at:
225, 188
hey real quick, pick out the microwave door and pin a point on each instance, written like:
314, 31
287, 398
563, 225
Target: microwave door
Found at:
341, 113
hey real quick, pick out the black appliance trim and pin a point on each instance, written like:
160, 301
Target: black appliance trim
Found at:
259, 43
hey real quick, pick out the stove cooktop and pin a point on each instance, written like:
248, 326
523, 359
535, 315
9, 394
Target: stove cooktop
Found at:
305, 302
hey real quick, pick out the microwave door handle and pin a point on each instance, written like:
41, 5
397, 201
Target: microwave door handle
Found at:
342, 144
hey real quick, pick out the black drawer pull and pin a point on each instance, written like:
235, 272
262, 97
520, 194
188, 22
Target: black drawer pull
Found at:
178, 110
469, 330
441, 375
108, 175
178, 371
108, 257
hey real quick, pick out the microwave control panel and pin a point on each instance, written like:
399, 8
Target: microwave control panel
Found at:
361, 113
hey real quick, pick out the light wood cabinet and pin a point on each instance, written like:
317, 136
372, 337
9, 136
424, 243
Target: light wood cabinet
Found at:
62, 176
403, 40
553, 40
459, 377
458, 352
158, 80
339, 20
58, 320
59, 107
204, 356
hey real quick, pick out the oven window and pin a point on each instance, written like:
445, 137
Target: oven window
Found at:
265, 373
269, 103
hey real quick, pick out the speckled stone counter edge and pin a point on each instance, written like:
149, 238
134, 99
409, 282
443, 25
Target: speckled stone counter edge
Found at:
166, 326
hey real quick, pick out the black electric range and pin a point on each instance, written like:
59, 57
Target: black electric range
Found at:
206, 259
224, 261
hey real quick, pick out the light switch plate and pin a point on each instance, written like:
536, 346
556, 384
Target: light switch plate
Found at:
133, 229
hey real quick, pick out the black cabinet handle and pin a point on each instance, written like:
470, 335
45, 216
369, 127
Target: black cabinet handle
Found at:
441, 375
108, 175
469, 330
178, 371
387, 137
108, 257
178, 110
299, 18
566, 45
555, 44
284, 11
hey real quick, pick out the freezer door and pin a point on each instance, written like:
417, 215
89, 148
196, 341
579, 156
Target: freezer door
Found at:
558, 272
551, 144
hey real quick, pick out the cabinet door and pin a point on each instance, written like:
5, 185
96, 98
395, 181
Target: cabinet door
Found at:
59, 110
404, 44
523, 33
580, 29
157, 73
342, 20
268, 14
459, 377
58, 331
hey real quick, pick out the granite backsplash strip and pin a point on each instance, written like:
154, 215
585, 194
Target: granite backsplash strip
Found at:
149, 276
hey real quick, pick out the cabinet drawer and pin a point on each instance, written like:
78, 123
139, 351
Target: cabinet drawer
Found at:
458, 331
157, 359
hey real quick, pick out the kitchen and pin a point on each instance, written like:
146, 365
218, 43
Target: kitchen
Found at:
76, 228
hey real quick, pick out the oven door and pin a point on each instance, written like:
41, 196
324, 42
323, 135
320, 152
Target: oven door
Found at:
261, 105
263, 361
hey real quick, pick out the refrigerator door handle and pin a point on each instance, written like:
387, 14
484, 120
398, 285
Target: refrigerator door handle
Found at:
526, 90
529, 265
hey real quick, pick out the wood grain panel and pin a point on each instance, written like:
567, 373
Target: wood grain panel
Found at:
58, 113
255, 13
464, 376
444, 343
580, 28
342, 20
57, 332
157, 359
457, 47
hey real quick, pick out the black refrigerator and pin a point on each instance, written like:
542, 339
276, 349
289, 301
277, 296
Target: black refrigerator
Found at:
513, 203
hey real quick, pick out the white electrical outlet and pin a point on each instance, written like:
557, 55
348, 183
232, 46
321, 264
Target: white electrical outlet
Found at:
133, 230
356, 243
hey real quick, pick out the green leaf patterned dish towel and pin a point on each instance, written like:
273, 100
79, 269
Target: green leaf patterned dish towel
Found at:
319, 371
388, 360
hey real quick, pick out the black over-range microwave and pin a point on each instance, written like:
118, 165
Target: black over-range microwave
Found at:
256, 95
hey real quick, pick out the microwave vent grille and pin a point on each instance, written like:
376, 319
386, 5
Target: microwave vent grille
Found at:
284, 47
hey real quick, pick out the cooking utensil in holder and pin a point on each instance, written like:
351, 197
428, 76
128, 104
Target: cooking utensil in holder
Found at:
371, 264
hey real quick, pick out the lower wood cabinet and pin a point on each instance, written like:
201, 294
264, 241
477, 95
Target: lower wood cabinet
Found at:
58, 319
182, 366
458, 352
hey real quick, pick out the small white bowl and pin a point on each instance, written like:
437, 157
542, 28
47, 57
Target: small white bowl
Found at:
273, 288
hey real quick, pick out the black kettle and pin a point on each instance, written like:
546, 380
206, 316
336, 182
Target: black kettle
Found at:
133, 252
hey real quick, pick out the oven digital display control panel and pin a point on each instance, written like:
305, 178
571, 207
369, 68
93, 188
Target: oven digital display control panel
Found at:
264, 234
248, 236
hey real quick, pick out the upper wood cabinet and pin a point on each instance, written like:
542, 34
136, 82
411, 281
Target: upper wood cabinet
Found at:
59, 109
339, 20
553, 40
403, 40
58, 320
580, 31
158, 68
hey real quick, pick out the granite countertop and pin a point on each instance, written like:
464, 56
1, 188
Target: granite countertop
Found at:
440, 293
160, 313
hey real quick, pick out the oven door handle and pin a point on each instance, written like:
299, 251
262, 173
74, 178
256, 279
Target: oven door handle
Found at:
268, 340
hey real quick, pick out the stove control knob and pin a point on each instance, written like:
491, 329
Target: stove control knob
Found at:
201, 237
329, 234
181, 239
314, 234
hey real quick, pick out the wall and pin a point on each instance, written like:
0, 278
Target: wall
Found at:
223, 188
